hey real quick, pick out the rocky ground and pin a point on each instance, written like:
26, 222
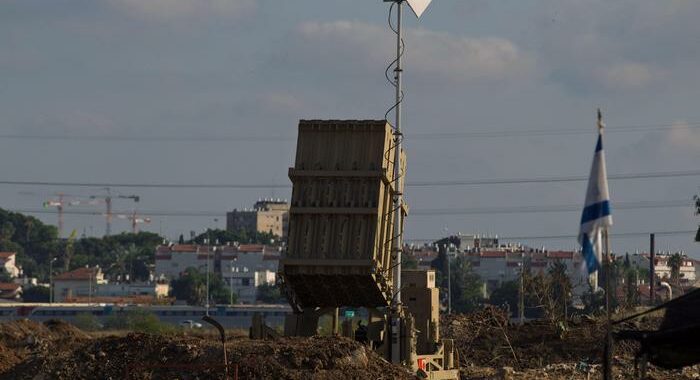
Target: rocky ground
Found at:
489, 348
57, 350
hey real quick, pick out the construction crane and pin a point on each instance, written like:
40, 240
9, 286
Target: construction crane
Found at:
135, 220
61, 202
107, 199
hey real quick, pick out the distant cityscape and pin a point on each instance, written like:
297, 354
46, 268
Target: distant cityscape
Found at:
246, 268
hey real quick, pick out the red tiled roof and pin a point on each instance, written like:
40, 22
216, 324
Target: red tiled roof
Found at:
251, 248
184, 248
78, 274
492, 254
9, 286
7, 255
560, 254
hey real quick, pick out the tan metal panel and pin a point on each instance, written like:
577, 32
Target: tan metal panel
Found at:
340, 222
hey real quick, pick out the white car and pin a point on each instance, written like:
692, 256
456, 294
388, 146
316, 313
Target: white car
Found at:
190, 324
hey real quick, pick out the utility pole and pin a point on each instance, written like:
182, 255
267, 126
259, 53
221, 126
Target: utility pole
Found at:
108, 202
521, 291
230, 284
652, 275
90, 287
206, 303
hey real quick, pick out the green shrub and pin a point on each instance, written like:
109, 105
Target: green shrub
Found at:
87, 322
138, 320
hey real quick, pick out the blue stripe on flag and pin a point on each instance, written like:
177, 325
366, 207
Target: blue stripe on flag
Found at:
599, 145
595, 211
589, 254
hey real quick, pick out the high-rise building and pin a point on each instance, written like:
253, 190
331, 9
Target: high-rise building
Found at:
267, 215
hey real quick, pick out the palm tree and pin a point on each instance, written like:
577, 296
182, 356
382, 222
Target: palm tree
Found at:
675, 262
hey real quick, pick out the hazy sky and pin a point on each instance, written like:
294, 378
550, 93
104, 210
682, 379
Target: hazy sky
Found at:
243, 72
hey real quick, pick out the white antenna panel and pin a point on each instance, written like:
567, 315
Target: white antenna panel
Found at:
418, 6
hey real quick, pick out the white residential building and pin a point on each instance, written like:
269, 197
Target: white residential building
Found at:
7, 262
496, 267
77, 284
242, 267
688, 269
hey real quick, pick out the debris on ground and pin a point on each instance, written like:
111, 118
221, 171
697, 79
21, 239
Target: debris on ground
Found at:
492, 348
30, 350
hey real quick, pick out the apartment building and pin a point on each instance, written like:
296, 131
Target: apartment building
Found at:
267, 215
243, 267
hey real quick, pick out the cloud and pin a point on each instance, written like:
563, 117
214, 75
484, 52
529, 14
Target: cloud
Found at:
629, 75
598, 45
433, 53
178, 9
683, 136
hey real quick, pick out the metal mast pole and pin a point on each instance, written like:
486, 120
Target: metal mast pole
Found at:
398, 196
652, 276
398, 201
607, 362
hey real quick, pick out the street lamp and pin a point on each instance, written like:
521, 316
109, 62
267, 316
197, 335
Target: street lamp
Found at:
51, 279
206, 304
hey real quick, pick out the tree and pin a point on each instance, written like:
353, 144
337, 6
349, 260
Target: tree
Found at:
507, 294
4, 276
675, 262
36, 244
70, 250
561, 289
408, 261
549, 291
269, 293
192, 287
36, 294
631, 292
466, 286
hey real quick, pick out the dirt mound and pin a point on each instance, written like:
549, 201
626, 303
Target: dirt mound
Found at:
22, 338
63, 330
23, 332
142, 356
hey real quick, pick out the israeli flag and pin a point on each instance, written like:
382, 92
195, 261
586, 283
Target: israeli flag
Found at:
596, 214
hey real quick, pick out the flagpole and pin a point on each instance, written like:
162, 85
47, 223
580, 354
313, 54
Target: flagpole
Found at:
607, 351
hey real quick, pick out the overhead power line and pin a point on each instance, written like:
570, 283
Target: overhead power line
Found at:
548, 208
418, 212
573, 237
436, 183
509, 181
512, 132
